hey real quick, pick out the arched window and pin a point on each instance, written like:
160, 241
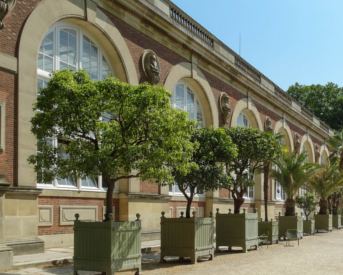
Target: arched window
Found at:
68, 47
184, 98
243, 121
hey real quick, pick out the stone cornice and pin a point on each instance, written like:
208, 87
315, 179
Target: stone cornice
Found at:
221, 58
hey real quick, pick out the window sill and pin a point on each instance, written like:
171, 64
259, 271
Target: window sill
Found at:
70, 188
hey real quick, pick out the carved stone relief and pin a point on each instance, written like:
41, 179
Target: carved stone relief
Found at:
225, 108
297, 142
151, 66
5, 7
268, 126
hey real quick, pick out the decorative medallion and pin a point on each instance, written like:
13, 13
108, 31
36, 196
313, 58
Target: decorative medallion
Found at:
5, 7
151, 66
268, 126
224, 105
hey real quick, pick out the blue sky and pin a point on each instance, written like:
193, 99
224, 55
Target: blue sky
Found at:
287, 40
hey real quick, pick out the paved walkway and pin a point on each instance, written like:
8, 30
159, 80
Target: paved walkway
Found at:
318, 254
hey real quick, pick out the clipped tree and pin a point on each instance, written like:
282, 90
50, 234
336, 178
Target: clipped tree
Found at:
326, 181
108, 128
292, 171
254, 148
213, 147
336, 145
307, 203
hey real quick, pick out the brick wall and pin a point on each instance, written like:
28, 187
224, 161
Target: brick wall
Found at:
149, 187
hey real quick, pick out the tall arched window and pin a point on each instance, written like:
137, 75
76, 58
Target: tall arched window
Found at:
243, 121
184, 98
67, 47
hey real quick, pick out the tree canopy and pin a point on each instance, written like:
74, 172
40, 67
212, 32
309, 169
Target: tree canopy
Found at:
254, 149
325, 101
213, 147
109, 128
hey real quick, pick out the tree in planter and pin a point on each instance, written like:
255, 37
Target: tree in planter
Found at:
213, 147
307, 203
139, 135
325, 181
254, 148
336, 145
292, 171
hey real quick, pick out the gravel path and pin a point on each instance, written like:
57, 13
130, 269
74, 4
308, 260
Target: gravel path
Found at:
318, 254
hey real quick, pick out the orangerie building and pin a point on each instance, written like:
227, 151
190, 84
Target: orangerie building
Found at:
136, 41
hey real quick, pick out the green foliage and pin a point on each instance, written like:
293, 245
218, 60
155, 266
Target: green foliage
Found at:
307, 203
336, 146
326, 102
325, 182
143, 136
213, 147
292, 171
254, 149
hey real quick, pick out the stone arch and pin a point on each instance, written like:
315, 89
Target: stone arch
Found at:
324, 154
281, 126
249, 109
193, 76
47, 13
307, 144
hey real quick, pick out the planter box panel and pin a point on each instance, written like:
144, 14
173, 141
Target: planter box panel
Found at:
323, 222
271, 229
309, 227
239, 230
187, 237
107, 246
336, 221
290, 222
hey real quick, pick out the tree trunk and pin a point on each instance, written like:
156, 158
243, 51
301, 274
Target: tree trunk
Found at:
237, 201
323, 206
290, 207
188, 208
109, 198
266, 167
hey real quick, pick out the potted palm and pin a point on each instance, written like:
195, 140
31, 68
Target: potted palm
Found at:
291, 171
134, 141
325, 182
254, 149
308, 204
335, 202
191, 236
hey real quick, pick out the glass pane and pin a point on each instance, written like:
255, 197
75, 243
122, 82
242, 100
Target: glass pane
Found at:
199, 115
46, 51
179, 97
105, 69
191, 104
89, 58
89, 182
41, 84
242, 121
68, 49
69, 181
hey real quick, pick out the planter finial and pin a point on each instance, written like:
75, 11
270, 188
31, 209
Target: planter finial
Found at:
279, 213
138, 216
211, 214
217, 210
244, 210
163, 213
181, 214
255, 210
193, 213
77, 216
230, 211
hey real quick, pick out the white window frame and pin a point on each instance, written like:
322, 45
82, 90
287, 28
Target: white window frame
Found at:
45, 75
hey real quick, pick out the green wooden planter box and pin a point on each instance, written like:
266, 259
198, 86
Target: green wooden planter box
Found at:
290, 222
309, 227
237, 230
337, 221
323, 222
187, 237
107, 246
270, 229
